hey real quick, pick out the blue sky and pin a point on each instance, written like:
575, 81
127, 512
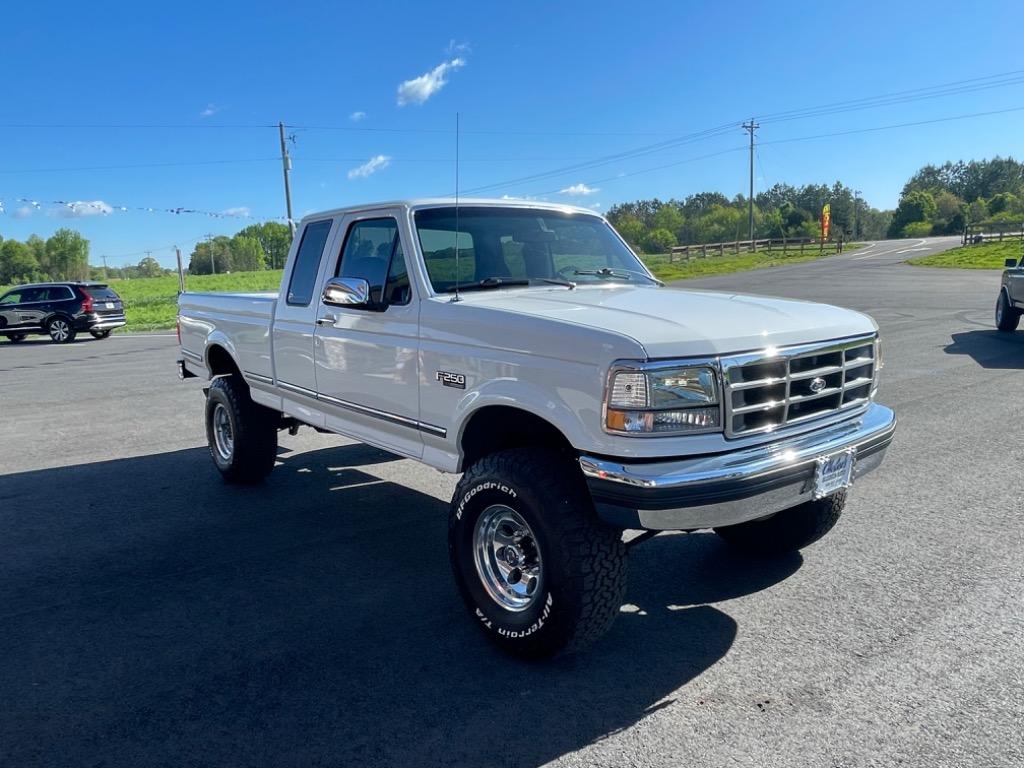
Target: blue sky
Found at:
539, 86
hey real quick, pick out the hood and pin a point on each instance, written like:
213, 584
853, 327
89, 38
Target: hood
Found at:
673, 322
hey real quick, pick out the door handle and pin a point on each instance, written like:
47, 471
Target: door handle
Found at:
327, 320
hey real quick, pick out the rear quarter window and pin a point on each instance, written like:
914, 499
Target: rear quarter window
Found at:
307, 263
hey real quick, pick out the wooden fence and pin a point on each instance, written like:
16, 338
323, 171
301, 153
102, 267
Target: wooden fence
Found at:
980, 233
747, 246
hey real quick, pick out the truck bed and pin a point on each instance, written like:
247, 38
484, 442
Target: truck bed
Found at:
241, 322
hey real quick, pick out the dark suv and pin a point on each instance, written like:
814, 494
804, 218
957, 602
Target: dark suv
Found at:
61, 310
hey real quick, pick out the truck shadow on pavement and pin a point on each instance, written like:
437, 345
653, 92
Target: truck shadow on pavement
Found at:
990, 348
154, 616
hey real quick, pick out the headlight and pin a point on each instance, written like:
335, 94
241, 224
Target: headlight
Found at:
663, 400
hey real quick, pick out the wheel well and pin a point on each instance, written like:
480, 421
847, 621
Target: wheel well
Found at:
499, 427
220, 362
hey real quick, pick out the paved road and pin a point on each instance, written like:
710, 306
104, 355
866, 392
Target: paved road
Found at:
150, 615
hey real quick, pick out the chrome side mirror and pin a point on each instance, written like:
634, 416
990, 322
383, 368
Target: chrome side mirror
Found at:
346, 292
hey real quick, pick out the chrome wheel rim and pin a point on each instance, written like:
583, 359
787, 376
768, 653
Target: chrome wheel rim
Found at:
59, 330
223, 434
507, 558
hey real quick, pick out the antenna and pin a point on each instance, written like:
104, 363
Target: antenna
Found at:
456, 297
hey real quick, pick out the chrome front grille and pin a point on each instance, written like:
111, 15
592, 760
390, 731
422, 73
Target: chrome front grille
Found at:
776, 388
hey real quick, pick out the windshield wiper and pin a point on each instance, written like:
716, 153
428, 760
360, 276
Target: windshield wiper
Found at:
508, 282
488, 282
619, 274
555, 281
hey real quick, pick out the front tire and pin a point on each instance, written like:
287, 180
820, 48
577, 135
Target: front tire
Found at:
60, 330
788, 530
99, 334
242, 435
540, 573
1007, 317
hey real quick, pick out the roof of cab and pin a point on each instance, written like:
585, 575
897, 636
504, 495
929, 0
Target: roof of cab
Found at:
436, 202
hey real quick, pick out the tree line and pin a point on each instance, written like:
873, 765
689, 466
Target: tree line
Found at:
943, 199
62, 256
65, 256
783, 212
254, 248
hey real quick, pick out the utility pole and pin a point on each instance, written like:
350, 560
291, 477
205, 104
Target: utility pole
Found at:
856, 200
104, 267
750, 128
286, 164
181, 272
213, 265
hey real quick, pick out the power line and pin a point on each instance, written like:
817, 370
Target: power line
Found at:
175, 164
913, 124
893, 126
955, 87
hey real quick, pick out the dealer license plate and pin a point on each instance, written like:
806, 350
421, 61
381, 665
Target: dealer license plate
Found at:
108, 305
833, 473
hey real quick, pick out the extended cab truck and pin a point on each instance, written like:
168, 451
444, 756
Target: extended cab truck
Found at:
528, 348
1010, 304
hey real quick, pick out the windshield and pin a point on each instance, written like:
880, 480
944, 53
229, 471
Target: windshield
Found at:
514, 246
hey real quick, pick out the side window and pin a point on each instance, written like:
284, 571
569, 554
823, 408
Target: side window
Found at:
307, 263
373, 251
32, 294
14, 297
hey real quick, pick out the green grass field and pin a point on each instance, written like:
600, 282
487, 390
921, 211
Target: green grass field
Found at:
722, 265
151, 303
989, 255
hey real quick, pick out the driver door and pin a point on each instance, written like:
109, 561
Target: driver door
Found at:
366, 357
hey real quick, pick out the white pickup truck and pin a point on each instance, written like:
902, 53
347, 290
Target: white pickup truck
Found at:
526, 346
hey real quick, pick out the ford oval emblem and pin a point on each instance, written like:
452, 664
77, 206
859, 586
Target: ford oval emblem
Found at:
818, 384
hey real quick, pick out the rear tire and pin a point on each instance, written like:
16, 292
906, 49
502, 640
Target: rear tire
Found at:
99, 334
242, 435
14, 338
1007, 317
60, 330
540, 573
789, 530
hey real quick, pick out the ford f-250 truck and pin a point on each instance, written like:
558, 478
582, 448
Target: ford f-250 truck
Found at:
528, 348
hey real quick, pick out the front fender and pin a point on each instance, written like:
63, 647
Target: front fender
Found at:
547, 403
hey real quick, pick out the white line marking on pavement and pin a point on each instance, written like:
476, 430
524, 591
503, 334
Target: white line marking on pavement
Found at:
883, 253
144, 336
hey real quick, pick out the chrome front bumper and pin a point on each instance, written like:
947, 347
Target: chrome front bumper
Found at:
728, 488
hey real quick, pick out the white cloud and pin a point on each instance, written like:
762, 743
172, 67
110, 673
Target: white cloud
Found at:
595, 206
210, 110
577, 190
80, 209
356, 116
419, 89
456, 47
239, 210
23, 212
370, 167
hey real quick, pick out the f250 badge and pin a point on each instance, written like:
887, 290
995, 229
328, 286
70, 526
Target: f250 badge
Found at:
448, 379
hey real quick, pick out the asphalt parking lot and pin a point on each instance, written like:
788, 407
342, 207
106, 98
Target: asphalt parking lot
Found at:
150, 615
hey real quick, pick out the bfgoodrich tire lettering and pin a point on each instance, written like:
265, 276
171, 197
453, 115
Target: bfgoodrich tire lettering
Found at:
242, 435
582, 580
